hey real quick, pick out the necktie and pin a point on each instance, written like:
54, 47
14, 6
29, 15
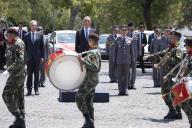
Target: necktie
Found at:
20, 34
124, 40
86, 34
33, 37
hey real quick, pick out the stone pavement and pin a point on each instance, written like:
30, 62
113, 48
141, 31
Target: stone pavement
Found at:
143, 108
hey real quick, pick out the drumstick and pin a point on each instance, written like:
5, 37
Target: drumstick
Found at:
81, 67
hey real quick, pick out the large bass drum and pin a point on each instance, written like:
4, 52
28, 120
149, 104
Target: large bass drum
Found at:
182, 91
65, 71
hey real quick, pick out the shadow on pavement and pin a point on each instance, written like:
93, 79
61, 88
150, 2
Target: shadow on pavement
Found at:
148, 87
154, 93
158, 120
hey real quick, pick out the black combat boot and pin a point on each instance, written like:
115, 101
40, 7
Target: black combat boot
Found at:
18, 123
88, 121
172, 114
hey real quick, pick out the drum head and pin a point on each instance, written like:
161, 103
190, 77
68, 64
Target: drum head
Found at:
66, 73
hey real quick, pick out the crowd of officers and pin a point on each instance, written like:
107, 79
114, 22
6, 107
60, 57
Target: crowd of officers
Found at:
125, 47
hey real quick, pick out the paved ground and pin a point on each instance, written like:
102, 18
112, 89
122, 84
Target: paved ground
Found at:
143, 108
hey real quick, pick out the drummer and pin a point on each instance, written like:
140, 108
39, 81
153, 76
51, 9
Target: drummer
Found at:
85, 95
187, 105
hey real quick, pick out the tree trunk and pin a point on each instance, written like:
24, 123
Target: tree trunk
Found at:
73, 15
147, 13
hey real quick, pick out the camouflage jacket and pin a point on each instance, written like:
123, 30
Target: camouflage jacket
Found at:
185, 69
92, 62
15, 57
174, 58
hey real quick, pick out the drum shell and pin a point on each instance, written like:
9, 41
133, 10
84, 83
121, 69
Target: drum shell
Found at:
55, 59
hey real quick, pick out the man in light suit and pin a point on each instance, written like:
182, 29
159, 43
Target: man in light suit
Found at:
110, 49
158, 44
35, 53
81, 41
21, 31
123, 58
135, 45
143, 43
151, 37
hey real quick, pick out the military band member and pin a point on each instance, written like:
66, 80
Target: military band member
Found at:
186, 70
135, 45
110, 48
13, 93
170, 57
158, 44
86, 92
123, 59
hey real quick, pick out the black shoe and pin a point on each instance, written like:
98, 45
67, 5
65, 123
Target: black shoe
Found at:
131, 88
173, 116
28, 93
113, 81
41, 85
123, 94
18, 123
37, 93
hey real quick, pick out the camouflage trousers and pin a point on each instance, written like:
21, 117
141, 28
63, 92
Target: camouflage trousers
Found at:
13, 95
168, 98
187, 108
85, 96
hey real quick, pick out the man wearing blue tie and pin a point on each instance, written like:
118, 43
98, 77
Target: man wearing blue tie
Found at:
81, 42
143, 43
35, 53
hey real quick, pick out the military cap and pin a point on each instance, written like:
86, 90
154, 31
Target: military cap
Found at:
12, 31
176, 34
188, 42
123, 27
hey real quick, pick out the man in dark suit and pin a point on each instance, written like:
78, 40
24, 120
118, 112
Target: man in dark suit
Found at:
2, 46
21, 31
143, 43
35, 53
81, 42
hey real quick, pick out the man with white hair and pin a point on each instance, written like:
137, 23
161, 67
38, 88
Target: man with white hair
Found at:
35, 53
81, 42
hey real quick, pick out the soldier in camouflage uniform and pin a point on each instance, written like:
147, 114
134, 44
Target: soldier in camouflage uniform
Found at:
110, 49
13, 93
85, 95
186, 70
173, 56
